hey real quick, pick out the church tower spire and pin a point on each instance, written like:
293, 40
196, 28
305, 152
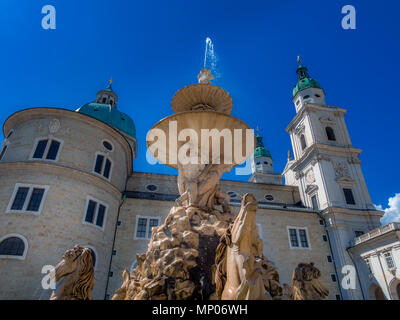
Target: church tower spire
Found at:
262, 164
327, 171
307, 89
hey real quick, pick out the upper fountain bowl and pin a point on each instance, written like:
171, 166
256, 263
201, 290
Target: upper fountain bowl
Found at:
202, 96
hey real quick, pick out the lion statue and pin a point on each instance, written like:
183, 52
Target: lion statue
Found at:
74, 275
239, 274
306, 284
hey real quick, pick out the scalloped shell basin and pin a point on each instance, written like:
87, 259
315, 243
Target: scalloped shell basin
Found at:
190, 96
198, 120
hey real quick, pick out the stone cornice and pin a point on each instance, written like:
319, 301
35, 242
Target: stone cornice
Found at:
61, 170
322, 152
351, 211
38, 113
309, 107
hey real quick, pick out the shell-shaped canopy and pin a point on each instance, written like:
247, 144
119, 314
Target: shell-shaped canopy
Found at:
217, 124
202, 97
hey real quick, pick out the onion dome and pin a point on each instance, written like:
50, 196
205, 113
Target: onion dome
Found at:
304, 80
260, 150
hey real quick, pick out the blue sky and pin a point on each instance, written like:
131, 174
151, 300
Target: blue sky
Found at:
154, 48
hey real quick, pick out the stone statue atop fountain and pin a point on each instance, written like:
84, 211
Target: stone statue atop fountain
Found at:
205, 76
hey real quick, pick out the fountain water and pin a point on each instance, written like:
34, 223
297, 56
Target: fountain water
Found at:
210, 58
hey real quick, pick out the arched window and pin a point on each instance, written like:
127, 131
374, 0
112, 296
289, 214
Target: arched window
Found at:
303, 142
13, 246
330, 134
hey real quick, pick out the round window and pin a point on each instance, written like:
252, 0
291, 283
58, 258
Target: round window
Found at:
107, 145
151, 187
232, 194
269, 197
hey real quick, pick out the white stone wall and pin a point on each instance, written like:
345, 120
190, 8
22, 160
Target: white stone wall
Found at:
381, 276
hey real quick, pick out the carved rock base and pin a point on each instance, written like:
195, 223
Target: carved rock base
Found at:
179, 262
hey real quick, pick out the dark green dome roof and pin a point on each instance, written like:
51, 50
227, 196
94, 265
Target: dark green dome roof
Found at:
305, 81
111, 116
260, 150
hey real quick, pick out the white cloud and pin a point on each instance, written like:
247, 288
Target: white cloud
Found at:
392, 213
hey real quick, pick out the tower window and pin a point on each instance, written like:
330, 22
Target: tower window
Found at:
13, 247
46, 149
348, 194
330, 134
103, 165
324, 237
144, 226
104, 100
27, 198
333, 277
303, 142
329, 258
389, 260
317, 95
306, 97
111, 102
96, 213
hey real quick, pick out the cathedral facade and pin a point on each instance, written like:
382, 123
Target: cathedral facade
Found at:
68, 178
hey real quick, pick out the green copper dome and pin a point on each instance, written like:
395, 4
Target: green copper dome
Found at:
109, 115
260, 150
305, 81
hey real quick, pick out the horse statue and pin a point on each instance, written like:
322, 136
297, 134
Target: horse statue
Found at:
74, 275
306, 283
121, 293
239, 274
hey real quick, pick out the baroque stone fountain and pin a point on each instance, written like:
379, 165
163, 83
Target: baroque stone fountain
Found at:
203, 250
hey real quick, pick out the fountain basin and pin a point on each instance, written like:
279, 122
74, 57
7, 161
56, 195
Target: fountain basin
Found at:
202, 123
